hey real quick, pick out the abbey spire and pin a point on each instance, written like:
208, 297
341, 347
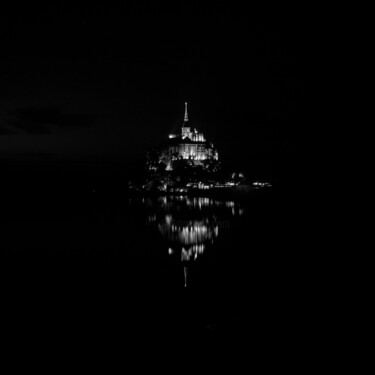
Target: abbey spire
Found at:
186, 118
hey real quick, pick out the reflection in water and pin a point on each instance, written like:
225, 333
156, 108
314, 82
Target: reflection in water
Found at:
191, 224
185, 276
190, 232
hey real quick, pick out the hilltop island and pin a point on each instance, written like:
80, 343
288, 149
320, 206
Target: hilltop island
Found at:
188, 163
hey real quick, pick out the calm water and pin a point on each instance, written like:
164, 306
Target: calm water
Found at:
183, 268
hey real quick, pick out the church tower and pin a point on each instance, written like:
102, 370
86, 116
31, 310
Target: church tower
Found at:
186, 118
185, 131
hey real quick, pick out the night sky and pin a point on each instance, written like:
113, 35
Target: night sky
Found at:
102, 82
85, 90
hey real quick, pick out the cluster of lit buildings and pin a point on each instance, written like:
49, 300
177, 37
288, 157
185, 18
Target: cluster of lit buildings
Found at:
190, 144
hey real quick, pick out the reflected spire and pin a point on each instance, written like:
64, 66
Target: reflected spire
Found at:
185, 276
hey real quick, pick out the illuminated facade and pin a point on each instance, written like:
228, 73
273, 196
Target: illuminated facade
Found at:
190, 144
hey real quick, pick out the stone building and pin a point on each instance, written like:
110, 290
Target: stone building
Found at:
190, 144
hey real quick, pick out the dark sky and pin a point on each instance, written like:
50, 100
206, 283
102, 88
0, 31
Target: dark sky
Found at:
104, 82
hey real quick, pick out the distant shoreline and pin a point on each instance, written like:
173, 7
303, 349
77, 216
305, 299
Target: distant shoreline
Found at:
223, 193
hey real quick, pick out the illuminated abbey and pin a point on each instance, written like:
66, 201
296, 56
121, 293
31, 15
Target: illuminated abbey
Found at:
186, 162
190, 145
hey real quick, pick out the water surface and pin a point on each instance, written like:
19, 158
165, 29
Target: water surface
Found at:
141, 267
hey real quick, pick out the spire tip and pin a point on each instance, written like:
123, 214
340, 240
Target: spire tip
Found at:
186, 113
